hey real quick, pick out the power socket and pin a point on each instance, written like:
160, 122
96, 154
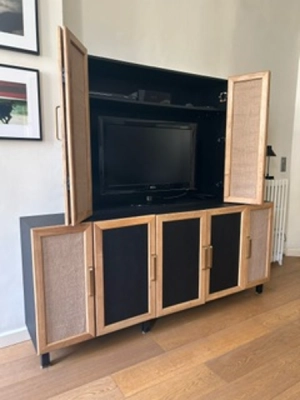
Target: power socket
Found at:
283, 164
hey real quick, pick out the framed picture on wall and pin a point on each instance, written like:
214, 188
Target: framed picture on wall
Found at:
19, 103
19, 25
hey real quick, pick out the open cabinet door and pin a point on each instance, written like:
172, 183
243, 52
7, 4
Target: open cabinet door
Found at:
76, 128
246, 136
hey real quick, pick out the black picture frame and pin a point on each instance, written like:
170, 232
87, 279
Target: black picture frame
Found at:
19, 25
20, 110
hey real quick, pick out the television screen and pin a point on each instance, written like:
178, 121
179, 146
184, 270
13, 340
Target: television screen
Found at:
143, 155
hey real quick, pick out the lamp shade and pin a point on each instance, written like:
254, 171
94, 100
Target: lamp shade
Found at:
270, 152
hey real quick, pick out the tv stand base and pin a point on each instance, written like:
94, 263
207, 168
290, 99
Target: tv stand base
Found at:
259, 289
45, 360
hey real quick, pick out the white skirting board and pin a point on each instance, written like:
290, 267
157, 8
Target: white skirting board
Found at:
13, 337
292, 252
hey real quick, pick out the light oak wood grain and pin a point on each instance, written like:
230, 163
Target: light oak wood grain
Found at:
246, 137
16, 352
281, 315
265, 382
189, 385
99, 389
245, 346
175, 363
292, 393
76, 142
246, 358
83, 364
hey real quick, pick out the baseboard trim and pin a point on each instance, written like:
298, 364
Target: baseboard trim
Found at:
292, 252
13, 337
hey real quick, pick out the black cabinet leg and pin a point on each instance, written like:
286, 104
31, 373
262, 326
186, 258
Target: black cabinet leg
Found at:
259, 289
147, 325
45, 360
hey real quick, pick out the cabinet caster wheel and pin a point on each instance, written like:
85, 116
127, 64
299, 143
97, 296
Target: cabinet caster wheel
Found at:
259, 289
45, 360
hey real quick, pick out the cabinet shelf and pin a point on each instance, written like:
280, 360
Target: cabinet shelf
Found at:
112, 99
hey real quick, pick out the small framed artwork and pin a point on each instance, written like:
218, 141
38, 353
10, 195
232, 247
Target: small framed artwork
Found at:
19, 25
19, 103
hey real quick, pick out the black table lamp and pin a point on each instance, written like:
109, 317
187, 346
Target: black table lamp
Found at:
270, 153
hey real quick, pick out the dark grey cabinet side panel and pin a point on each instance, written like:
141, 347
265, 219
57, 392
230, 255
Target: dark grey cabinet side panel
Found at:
125, 260
26, 224
225, 239
180, 261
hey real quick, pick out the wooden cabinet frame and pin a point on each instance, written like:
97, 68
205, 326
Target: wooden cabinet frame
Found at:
240, 285
160, 219
258, 247
76, 128
246, 132
92, 233
38, 234
101, 226
246, 138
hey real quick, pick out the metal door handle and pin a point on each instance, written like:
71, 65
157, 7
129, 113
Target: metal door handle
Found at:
249, 250
208, 257
91, 281
153, 267
57, 108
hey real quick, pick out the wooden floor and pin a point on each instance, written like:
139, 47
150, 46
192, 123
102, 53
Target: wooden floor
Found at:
245, 346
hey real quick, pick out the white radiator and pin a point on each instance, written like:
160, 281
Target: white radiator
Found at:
276, 190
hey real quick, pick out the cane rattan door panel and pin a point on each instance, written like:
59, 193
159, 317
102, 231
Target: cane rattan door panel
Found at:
246, 135
64, 296
259, 246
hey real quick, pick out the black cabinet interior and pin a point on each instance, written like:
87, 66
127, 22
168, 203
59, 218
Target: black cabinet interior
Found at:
125, 261
122, 79
115, 89
180, 261
225, 239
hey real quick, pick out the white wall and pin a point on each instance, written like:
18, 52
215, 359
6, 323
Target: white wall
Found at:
176, 34
293, 237
264, 34
30, 172
209, 37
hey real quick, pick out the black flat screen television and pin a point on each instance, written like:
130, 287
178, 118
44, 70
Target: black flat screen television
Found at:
146, 156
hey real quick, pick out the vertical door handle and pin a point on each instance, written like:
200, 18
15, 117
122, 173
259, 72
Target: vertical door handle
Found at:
208, 257
91, 281
57, 108
153, 267
249, 249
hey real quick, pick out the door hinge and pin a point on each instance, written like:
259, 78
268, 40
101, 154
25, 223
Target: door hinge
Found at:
63, 75
68, 184
223, 97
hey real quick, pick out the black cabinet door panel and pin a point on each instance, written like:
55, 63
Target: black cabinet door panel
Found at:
225, 239
125, 256
180, 261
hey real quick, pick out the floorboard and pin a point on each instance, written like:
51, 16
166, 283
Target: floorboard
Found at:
245, 346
